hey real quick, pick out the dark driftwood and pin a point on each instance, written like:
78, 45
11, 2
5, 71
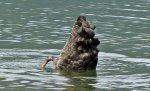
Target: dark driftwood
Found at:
80, 51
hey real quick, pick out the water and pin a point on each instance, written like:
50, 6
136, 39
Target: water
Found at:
30, 30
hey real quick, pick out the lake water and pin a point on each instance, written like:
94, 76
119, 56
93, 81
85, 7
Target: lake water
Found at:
31, 30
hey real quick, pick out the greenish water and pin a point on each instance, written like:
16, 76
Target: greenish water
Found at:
30, 30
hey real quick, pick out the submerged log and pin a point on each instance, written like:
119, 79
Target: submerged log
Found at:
80, 51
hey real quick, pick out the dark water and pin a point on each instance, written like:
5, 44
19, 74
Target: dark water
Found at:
30, 30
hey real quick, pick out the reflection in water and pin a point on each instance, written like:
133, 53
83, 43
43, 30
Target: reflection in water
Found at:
80, 81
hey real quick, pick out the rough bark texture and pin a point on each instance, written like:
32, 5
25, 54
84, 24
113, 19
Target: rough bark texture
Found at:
80, 51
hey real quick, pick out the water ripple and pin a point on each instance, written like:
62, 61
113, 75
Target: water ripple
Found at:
125, 17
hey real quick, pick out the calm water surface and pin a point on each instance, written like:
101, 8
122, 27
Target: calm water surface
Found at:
30, 30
